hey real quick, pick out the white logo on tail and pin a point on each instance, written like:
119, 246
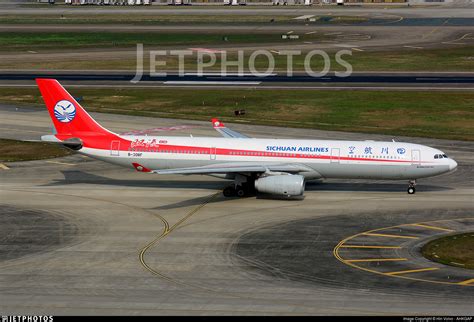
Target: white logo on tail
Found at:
64, 111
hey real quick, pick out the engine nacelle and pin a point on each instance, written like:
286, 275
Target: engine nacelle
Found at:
286, 185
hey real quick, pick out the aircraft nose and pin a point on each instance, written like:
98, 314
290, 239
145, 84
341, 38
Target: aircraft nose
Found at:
452, 164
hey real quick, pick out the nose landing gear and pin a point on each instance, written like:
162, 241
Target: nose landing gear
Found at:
411, 187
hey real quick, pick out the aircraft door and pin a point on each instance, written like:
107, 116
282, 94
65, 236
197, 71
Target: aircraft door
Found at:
335, 152
115, 148
212, 153
415, 157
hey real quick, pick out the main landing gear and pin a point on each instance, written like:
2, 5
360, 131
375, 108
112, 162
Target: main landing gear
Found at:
239, 190
243, 186
411, 187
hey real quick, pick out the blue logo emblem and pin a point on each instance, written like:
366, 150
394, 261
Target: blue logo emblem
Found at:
64, 111
401, 151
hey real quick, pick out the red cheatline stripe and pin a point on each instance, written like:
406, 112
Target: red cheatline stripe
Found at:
125, 145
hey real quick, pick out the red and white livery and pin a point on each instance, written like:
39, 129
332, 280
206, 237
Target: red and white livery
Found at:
274, 166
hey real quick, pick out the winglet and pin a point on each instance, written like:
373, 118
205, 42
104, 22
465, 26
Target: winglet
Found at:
140, 168
216, 123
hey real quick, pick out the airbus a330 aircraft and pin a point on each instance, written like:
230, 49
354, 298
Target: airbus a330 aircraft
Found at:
274, 166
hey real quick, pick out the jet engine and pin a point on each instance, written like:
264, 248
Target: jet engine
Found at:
287, 185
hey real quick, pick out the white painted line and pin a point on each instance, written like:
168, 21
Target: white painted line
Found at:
310, 32
32, 52
304, 17
275, 51
415, 47
57, 162
333, 33
346, 46
4, 167
357, 49
289, 32
207, 50
465, 36
210, 83
222, 74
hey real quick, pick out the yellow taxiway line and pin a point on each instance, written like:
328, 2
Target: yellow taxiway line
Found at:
370, 246
413, 271
467, 282
388, 235
375, 260
432, 227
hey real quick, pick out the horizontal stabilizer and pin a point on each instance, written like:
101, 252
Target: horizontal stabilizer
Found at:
225, 132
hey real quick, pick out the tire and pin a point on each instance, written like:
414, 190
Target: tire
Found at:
228, 192
411, 190
240, 192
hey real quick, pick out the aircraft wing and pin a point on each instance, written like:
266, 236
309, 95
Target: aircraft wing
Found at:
228, 133
237, 167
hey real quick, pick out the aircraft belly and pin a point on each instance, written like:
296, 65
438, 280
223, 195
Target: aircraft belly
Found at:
360, 171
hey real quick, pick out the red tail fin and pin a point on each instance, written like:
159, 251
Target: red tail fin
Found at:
69, 118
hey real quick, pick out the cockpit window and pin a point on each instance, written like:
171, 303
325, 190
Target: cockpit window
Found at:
440, 156
445, 156
436, 156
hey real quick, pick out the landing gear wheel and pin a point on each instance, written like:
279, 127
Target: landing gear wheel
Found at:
240, 191
228, 191
411, 187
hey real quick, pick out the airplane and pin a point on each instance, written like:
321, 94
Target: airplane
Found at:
270, 166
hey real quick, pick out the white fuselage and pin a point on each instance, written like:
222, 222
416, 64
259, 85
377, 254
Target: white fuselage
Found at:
324, 158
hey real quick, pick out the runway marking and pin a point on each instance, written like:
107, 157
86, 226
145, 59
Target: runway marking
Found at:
388, 235
467, 282
310, 32
166, 231
4, 167
289, 32
435, 29
400, 18
225, 74
376, 260
376, 247
432, 227
63, 163
341, 244
304, 17
357, 49
210, 83
346, 46
413, 271
461, 38
207, 50
415, 47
